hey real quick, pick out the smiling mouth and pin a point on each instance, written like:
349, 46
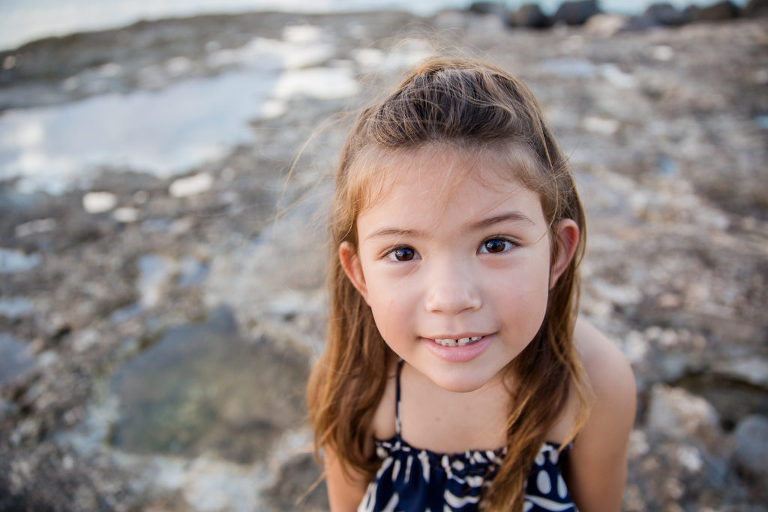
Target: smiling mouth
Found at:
456, 342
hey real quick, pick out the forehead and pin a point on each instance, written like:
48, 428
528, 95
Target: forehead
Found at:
438, 170
438, 181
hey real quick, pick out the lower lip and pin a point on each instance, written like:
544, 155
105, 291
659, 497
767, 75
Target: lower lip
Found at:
458, 354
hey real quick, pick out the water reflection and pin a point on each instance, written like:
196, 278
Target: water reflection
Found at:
163, 132
179, 123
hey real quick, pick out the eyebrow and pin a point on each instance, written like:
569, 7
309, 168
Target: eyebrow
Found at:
513, 216
394, 232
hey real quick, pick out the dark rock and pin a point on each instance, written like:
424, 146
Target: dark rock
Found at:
529, 16
497, 8
666, 14
751, 454
298, 484
755, 8
576, 13
642, 22
715, 12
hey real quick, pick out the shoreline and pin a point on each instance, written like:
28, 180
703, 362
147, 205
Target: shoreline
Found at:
568, 12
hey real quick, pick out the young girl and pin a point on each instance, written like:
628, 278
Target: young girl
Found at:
457, 375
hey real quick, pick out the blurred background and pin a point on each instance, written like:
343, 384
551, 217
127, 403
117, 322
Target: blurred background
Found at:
164, 175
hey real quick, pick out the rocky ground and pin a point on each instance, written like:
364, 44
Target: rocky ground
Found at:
156, 332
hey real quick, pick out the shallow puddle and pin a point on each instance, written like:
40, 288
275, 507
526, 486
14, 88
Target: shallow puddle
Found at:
205, 389
15, 359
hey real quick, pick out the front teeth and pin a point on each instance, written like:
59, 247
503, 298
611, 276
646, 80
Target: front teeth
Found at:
448, 342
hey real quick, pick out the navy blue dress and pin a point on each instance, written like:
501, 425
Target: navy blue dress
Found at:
414, 480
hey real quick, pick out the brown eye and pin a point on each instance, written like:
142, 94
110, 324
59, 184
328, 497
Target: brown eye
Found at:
495, 245
403, 254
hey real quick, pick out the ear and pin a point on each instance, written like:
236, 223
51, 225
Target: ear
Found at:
567, 236
350, 262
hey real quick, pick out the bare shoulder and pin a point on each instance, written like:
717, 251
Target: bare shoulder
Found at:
609, 372
598, 465
383, 424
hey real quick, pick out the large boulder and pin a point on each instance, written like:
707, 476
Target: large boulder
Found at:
755, 8
666, 14
529, 16
497, 8
716, 12
576, 12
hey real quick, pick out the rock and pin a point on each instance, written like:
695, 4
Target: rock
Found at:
35, 227
576, 12
755, 9
716, 12
99, 202
191, 185
753, 370
605, 25
639, 23
297, 485
529, 16
126, 215
674, 413
666, 14
751, 453
497, 8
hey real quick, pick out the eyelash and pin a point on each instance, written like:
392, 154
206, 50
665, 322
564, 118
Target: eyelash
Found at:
509, 244
392, 253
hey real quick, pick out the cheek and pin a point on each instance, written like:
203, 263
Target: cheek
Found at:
392, 307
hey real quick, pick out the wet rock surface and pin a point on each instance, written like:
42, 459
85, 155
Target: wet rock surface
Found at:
161, 325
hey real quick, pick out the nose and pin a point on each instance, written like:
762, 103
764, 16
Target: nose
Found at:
452, 290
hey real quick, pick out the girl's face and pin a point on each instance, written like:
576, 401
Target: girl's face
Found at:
457, 274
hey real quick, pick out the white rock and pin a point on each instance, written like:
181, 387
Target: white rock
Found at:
601, 125
675, 413
126, 215
304, 34
272, 108
617, 77
99, 202
191, 185
690, 458
35, 227
605, 25
662, 52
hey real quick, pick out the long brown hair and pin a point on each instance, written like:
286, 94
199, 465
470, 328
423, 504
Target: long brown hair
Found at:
471, 105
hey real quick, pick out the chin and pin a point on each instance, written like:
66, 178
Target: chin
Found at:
458, 383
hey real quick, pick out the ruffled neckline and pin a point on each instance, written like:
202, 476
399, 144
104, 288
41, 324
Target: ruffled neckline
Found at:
469, 460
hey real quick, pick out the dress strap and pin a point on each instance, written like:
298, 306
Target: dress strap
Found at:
397, 397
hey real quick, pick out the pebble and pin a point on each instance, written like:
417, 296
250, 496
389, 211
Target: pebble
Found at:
191, 185
126, 215
99, 202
